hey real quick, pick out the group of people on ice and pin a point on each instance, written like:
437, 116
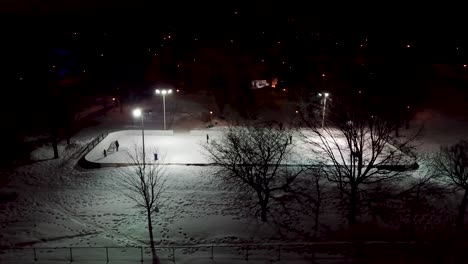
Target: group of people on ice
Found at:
116, 145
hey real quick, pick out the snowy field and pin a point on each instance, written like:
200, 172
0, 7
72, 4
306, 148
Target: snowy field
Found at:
53, 203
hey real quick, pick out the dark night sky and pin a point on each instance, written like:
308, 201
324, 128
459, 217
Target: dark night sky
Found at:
34, 32
333, 14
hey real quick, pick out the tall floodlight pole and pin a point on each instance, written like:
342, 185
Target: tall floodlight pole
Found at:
163, 92
138, 113
325, 95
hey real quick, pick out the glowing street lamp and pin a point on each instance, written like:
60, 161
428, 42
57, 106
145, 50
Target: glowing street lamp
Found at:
324, 95
138, 113
163, 92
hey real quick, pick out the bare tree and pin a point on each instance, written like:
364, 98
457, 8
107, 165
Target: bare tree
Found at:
419, 203
307, 196
356, 151
414, 204
451, 163
251, 160
144, 184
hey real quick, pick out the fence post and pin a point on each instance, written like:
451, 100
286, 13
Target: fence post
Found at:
71, 255
141, 253
107, 255
173, 254
35, 255
247, 253
212, 257
279, 252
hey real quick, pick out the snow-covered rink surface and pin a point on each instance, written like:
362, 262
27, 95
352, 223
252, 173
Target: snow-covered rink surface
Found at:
178, 148
187, 148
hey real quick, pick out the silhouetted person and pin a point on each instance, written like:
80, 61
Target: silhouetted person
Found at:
105, 153
117, 145
290, 139
207, 138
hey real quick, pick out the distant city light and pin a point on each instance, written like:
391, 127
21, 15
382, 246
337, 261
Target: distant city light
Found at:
113, 98
297, 112
464, 65
177, 90
102, 54
284, 90
323, 74
211, 112
408, 46
274, 82
169, 37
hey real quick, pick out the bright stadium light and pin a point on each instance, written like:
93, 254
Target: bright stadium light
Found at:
138, 113
325, 96
163, 92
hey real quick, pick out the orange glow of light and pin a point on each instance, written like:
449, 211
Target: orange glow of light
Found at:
284, 90
274, 82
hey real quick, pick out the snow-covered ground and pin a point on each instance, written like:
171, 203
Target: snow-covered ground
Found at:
54, 203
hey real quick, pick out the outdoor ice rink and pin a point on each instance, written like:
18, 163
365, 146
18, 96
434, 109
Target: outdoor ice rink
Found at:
178, 148
181, 148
